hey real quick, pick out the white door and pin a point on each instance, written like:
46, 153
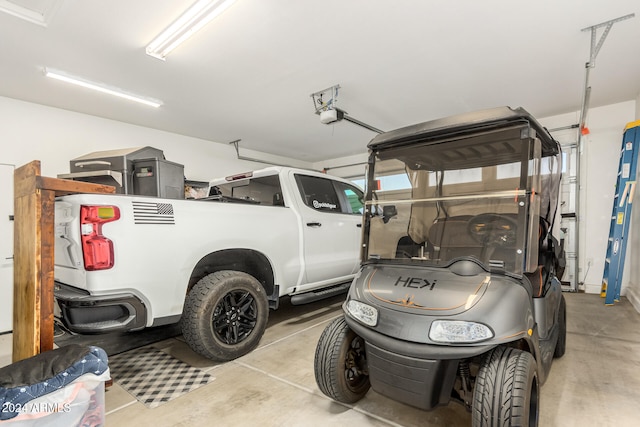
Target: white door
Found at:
568, 224
331, 229
6, 247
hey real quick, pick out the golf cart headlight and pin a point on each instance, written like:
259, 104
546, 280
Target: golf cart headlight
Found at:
458, 331
363, 312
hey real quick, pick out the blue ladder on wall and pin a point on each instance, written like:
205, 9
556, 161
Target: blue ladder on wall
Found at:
621, 214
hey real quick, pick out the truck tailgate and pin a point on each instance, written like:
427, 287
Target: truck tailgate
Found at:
68, 251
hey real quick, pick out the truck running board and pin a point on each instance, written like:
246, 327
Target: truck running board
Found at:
319, 294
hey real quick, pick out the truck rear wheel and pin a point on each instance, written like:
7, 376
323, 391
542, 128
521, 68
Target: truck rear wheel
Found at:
506, 390
225, 315
340, 363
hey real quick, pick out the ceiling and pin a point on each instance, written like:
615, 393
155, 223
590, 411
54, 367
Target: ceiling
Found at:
249, 74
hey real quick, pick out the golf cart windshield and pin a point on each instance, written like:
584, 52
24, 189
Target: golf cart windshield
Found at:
487, 195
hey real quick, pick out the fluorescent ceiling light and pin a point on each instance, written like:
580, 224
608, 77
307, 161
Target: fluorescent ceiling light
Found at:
196, 17
37, 12
62, 76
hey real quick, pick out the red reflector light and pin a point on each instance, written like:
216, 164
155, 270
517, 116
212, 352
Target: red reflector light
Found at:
97, 250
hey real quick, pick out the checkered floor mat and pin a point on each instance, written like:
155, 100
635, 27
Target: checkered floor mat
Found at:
153, 377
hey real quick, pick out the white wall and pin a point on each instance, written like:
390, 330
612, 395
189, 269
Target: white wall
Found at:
346, 167
54, 136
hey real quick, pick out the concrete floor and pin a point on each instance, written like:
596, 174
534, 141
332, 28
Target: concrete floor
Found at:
596, 383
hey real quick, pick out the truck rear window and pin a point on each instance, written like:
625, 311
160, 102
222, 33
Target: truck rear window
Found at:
264, 190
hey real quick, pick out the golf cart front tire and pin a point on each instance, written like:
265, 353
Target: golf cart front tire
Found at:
507, 391
340, 363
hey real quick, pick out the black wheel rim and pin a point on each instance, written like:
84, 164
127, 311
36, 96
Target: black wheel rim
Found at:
235, 317
355, 365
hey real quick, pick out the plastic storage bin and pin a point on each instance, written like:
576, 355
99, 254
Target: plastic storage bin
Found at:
62, 387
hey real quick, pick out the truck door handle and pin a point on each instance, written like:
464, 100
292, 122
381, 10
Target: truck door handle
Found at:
359, 225
314, 224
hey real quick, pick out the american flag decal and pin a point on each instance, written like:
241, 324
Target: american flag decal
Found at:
153, 213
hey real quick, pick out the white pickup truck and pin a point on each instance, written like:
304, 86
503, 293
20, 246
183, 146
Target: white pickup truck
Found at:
125, 262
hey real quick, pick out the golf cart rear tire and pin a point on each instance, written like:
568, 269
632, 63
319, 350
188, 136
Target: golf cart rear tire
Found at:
507, 391
225, 335
561, 344
338, 347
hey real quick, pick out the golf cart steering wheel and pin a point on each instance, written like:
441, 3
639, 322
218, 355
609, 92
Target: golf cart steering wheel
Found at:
493, 229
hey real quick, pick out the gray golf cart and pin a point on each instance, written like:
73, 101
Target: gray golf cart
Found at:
458, 296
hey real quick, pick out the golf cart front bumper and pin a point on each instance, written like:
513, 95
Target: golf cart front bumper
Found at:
420, 375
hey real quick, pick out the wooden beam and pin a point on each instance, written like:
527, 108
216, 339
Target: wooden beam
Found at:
62, 187
26, 269
33, 282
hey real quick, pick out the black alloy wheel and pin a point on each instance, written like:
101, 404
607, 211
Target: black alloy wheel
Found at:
235, 317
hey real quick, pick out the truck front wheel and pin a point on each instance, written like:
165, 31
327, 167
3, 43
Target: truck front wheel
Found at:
225, 315
506, 390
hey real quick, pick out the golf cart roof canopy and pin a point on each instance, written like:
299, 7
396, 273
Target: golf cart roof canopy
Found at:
462, 126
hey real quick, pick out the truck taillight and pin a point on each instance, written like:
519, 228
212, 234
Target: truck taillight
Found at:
97, 249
